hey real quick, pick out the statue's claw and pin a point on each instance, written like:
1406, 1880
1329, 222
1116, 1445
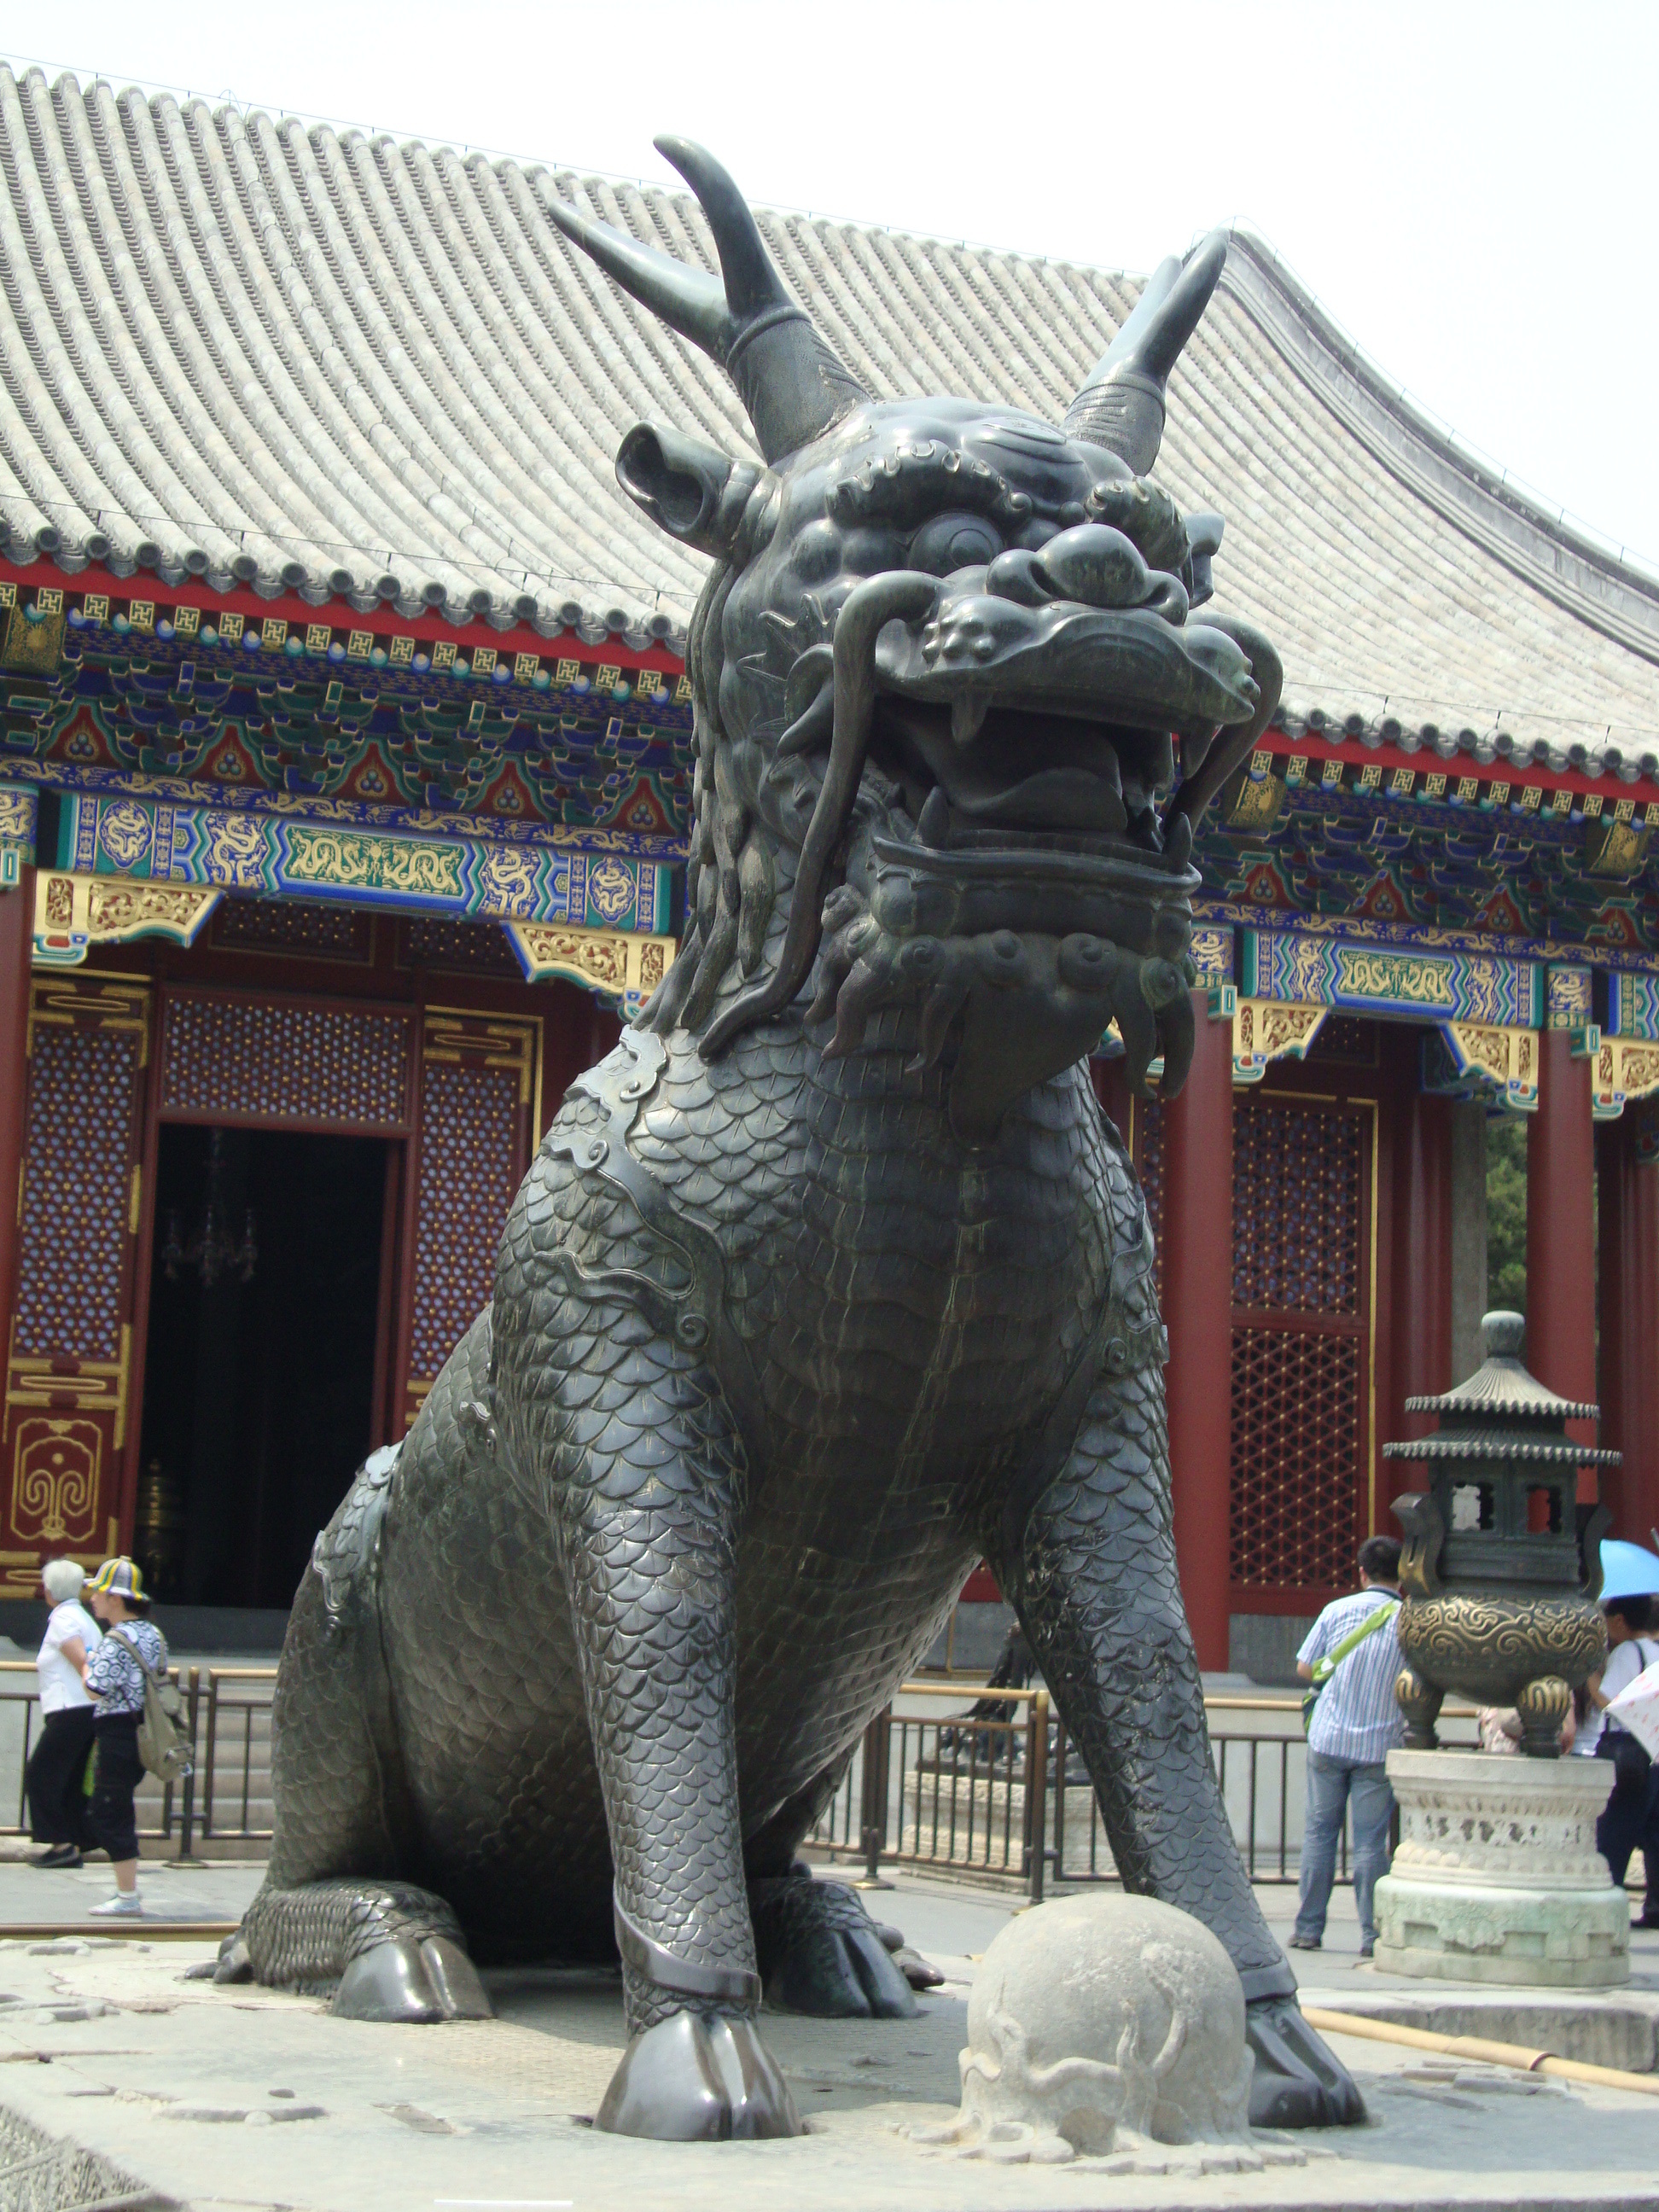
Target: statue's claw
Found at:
698, 2078
1298, 2083
234, 1963
920, 1973
820, 1953
412, 1979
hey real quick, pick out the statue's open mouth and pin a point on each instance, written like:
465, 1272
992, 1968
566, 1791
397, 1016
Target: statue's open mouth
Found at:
1014, 727
1027, 712
1027, 780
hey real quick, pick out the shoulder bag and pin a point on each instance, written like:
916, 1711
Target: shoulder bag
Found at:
1325, 1667
164, 1748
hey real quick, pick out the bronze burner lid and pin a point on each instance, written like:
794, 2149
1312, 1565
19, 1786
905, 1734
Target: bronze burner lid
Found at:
1509, 1404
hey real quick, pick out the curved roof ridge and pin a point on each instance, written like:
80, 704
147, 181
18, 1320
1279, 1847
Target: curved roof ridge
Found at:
341, 362
1617, 593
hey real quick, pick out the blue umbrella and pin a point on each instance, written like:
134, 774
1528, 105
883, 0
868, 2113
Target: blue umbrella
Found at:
1628, 1571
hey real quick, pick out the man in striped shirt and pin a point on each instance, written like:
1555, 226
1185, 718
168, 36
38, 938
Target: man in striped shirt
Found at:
1356, 1724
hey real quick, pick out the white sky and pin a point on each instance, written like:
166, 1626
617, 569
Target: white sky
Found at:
1470, 189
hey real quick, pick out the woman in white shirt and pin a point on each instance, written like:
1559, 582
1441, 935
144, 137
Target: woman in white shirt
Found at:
1631, 1820
58, 1765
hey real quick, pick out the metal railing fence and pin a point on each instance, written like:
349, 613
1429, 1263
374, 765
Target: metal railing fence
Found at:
225, 1796
998, 1790
991, 1788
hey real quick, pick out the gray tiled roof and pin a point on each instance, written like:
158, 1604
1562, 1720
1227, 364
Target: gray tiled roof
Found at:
264, 352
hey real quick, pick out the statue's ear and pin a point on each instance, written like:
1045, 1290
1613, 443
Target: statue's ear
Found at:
687, 488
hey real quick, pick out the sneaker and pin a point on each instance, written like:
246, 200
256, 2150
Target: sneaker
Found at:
124, 1906
1307, 1943
1367, 1950
59, 1855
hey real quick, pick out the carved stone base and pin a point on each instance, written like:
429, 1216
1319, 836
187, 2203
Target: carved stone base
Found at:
1497, 1878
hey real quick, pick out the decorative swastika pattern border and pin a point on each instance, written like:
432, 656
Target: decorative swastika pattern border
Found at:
1296, 1446
1347, 1039
289, 926
284, 1061
1296, 1208
64, 1416
473, 947
466, 1184
1300, 1339
72, 1237
479, 1085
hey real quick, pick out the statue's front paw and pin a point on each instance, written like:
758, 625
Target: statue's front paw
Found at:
698, 2078
819, 1952
233, 1964
1298, 2083
412, 1979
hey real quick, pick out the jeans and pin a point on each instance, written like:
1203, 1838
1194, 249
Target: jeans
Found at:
1333, 1784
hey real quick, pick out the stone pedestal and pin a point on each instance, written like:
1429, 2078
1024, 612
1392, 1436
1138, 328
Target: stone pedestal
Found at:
1497, 1878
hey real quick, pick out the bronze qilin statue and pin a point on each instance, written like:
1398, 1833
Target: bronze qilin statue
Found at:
833, 1276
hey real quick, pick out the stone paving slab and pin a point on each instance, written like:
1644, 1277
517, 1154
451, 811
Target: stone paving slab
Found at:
248, 2099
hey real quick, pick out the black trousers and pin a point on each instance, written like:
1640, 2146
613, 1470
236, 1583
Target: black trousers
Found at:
55, 1776
114, 1827
1631, 1821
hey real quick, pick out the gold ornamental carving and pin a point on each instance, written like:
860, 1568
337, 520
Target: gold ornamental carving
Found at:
622, 963
1504, 1058
1266, 1030
74, 911
360, 861
1626, 1068
1395, 977
56, 1461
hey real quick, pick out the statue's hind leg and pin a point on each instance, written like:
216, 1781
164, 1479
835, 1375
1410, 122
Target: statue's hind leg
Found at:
1092, 1574
819, 1951
334, 1912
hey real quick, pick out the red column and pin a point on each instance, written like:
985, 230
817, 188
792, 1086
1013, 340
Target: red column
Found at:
1198, 1275
1561, 1227
1629, 1268
1422, 1270
16, 942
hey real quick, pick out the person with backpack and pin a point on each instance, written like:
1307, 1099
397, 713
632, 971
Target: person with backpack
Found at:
1350, 1660
1630, 1816
132, 1653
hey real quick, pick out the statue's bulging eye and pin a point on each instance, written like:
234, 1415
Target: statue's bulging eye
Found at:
954, 541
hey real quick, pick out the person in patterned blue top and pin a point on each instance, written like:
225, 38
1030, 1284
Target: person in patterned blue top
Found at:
114, 1675
1355, 1724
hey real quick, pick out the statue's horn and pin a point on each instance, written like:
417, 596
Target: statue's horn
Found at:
1121, 403
790, 382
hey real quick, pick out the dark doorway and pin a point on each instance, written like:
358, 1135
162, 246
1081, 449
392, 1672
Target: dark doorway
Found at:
259, 1394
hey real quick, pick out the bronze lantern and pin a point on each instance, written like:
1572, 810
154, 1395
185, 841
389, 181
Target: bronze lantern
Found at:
1499, 1585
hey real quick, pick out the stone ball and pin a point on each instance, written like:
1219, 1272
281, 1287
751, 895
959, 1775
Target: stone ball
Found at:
1100, 2020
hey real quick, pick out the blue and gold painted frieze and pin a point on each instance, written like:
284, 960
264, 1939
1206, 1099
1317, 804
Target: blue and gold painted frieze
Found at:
70, 776
17, 819
1570, 1002
1632, 1007
251, 851
1380, 978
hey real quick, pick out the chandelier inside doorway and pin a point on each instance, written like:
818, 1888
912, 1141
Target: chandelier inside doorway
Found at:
211, 1250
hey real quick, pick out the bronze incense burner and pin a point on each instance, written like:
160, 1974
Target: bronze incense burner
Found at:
1500, 1587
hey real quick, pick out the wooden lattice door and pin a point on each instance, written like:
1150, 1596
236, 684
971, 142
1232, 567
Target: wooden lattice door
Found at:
1301, 1344
478, 1083
68, 1374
